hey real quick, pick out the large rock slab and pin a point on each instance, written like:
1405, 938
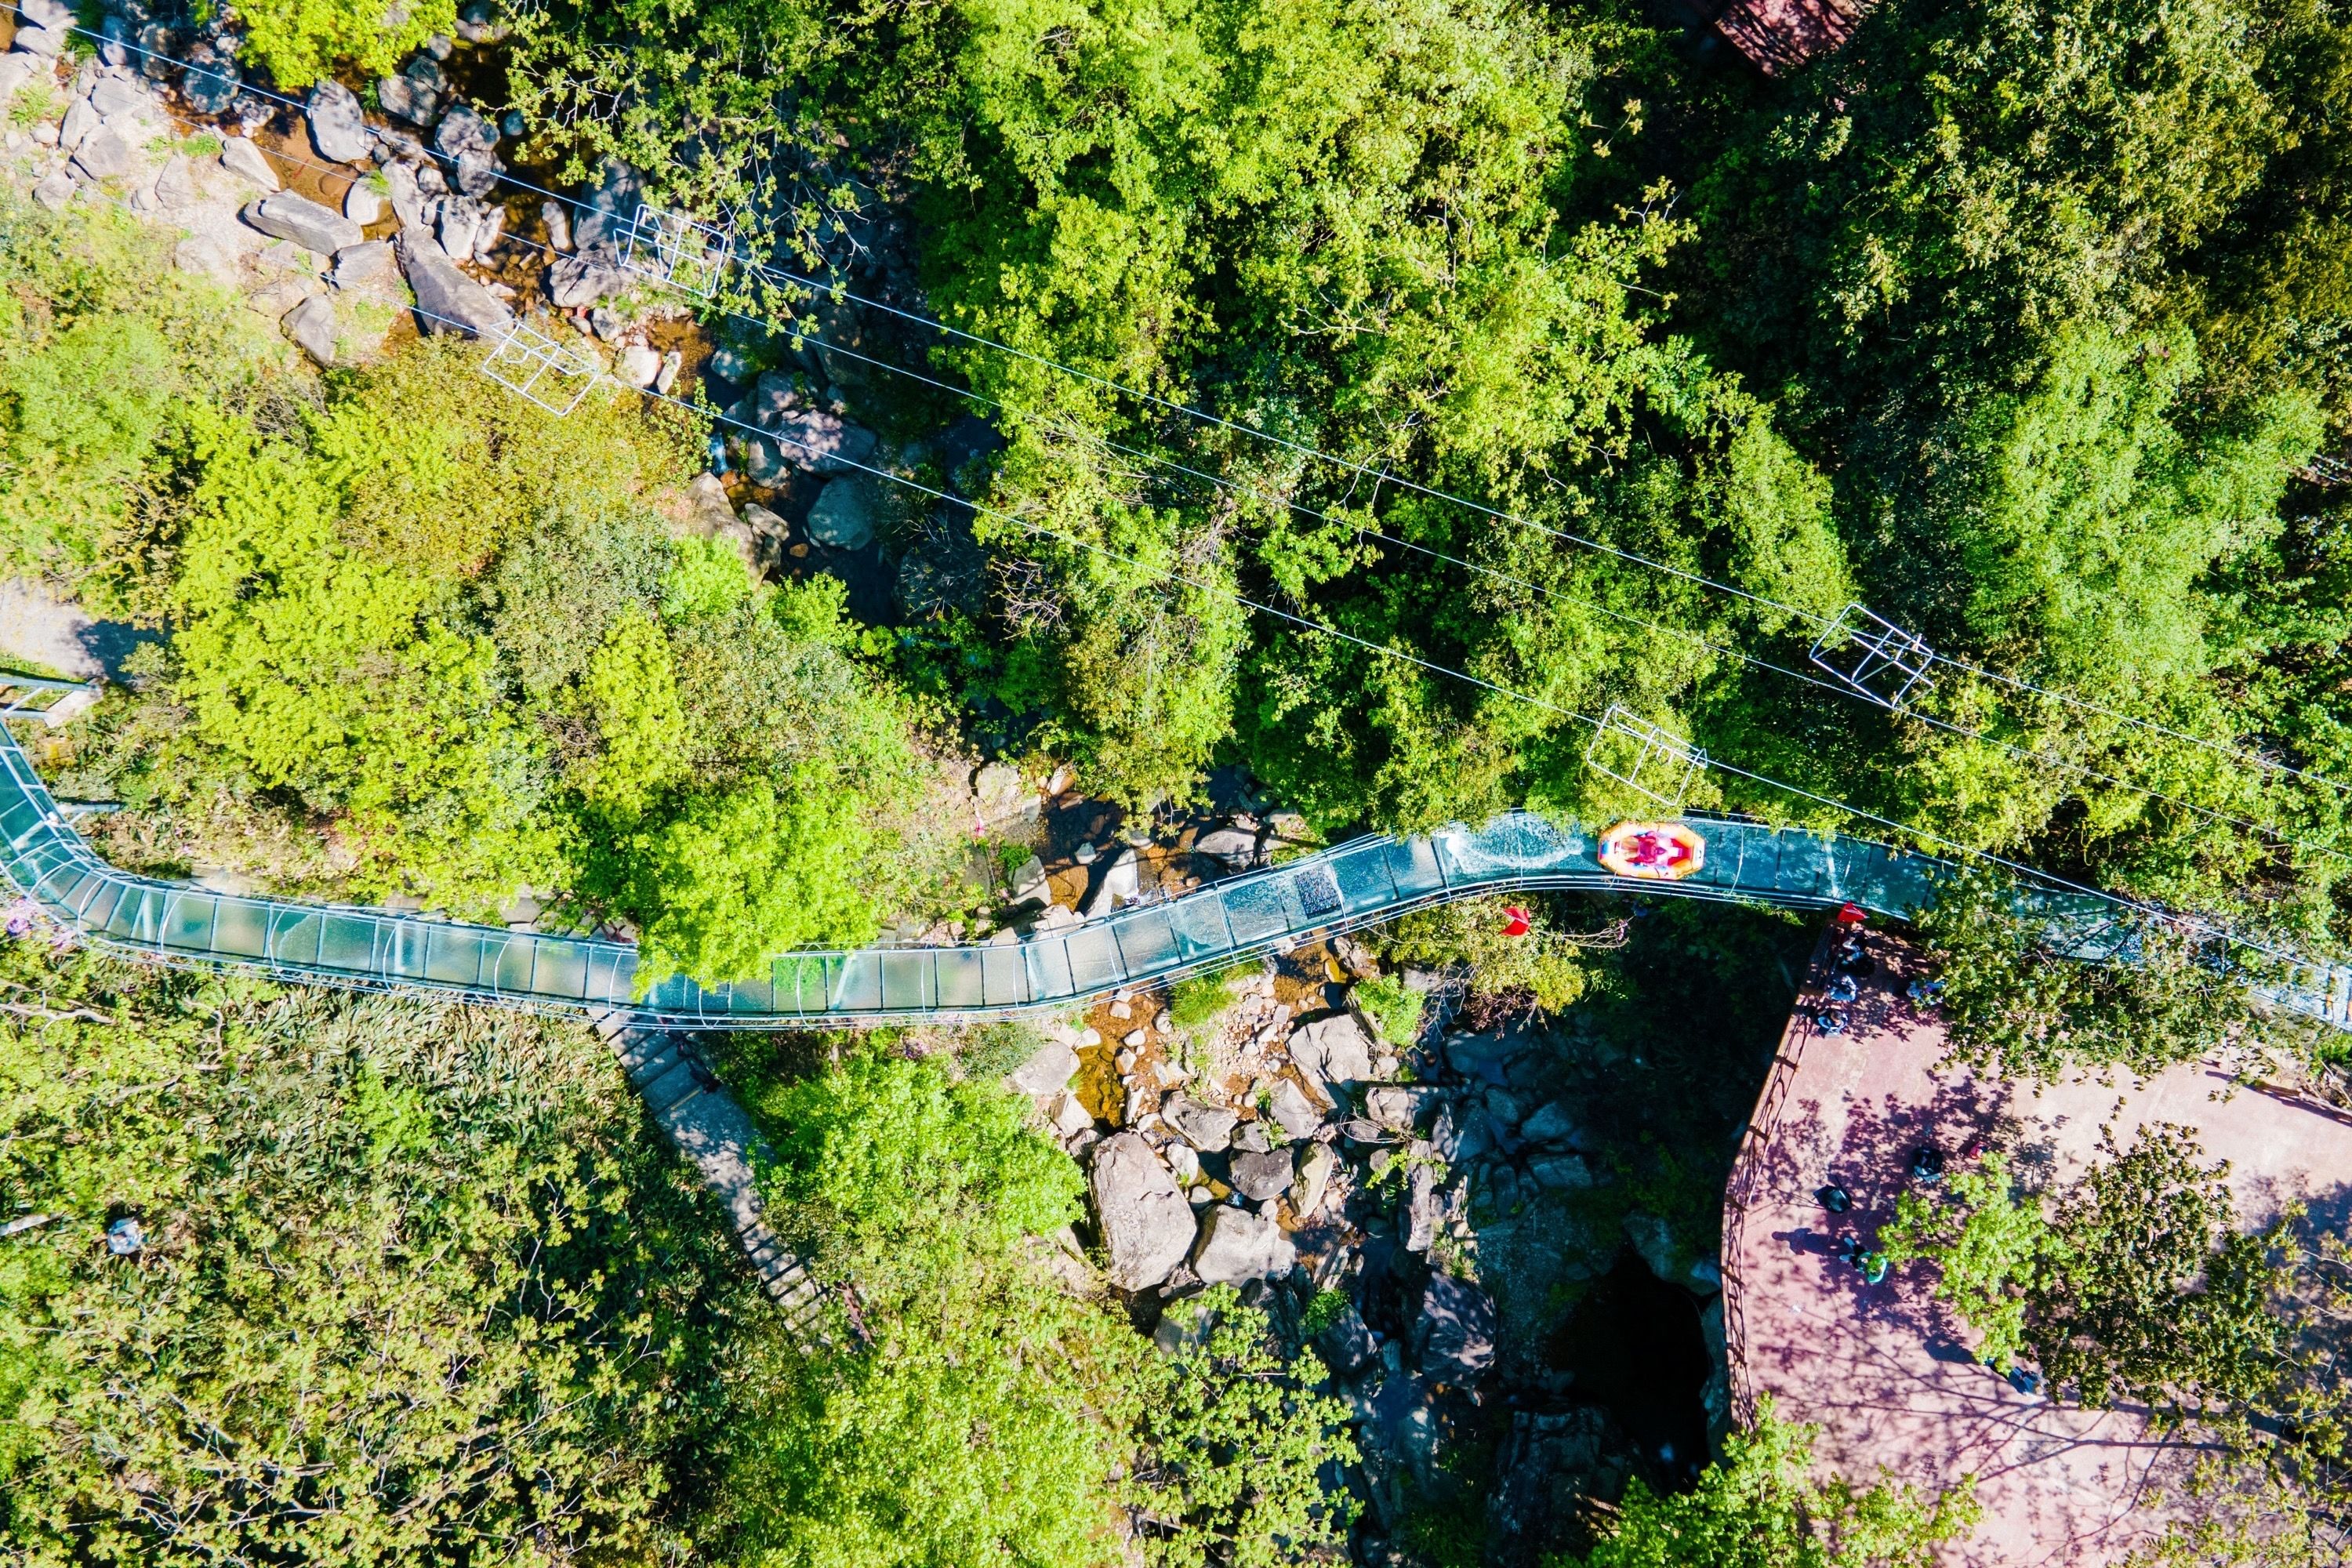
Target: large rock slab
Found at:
844, 513
106, 154
286, 215
1208, 1128
338, 128
1236, 1246
1555, 1125
1454, 1336
1292, 1111
1147, 1225
240, 157
311, 326
1258, 1177
1317, 1162
1398, 1107
446, 300
1050, 1069
586, 276
1335, 1049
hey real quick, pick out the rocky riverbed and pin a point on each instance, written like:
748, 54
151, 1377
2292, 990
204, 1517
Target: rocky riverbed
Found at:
1476, 1228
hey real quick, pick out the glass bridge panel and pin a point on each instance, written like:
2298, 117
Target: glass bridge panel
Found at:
1147, 941
907, 985
1256, 910
800, 984
241, 926
1004, 975
454, 956
562, 971
745, 997
1317, 893
1362, 876
1094, 958
102, 908
134, 919
1201, 928
188, 923
612, 975
857, 987
517, 963
1048, 964
962, 984
1413, 867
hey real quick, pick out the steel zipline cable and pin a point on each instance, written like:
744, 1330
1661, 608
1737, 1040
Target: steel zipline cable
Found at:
2031, 873
791, 280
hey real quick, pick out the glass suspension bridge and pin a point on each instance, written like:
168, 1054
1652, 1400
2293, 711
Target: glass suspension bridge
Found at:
1235, 919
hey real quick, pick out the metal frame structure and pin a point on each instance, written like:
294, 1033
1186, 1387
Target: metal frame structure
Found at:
1882, 662
1651, 761
676, 249
524, 358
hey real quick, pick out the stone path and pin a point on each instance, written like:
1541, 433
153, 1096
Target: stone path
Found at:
1886, 1373
717, 1135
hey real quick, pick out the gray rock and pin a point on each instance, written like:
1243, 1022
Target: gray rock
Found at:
176, 185
45, 13
305, 222
56, 190
1555, 1124
209, 84
1147, 1225
1422, 1210
1117, 885
106, 154
116, 32
1207, 1128
460, 227
638, 365
729, 364
1251, 1137
15, 70
311, 326
820, 439
1335, 1049
363, 204
404, 98
1317, 1162
1051, 1068
1296, 1115
556, 219
477, 172
440, 45
1398, 1107
1236, 1246
1258, 1177
338, 128
1454, 1337
464, 129
479, 23
446, 300
1235, 849
611, 202
586, 276
116, 98
81, 120
427, 72
1346, 1345
206, 258
370, 269
1561, 1173
1480, 1057
411, 204
47, 42
284, 255
844, 513
666, 377
763, 464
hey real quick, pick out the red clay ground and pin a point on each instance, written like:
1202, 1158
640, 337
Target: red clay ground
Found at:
1883, 1370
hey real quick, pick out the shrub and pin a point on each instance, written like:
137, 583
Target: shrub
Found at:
1199, 999
1394, 1007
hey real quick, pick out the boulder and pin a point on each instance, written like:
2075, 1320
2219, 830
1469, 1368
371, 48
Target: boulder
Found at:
1251, 1136
1258, 1177
1335, 1049
586, 276
1236, 848
1051, 1068
106, 154
206, 258
446, 300
45, 13
1207, 1128
364, 204
1296, 1115
611, 204
462, 130
1070, 1117
1454, 1337
175, 187
844, 513
1147, 1225
1236, 1246
55, 191
311, 326
460, 227
556, 219
1555, 1124
479, 23
665, 378
637, 366
404, 98
305, 222
370, 267
1317, 1162
80, 120
477, 172
47, 42
1398, 1107
1561, 1173
1422, 1210
240, 157
1117, 885
763, 463
1346, 1345
818, 438
116, 98
415, 206
209, 83
15, 70
338, 128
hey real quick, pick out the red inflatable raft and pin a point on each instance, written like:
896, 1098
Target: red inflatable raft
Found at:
1653, 851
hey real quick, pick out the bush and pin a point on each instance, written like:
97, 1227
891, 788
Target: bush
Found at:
1394, 1007
1543, 967
302, 41
1199, 999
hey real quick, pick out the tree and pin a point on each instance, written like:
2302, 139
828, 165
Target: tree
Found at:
302, 41
415, 1282
1989, 1245
1759, 1507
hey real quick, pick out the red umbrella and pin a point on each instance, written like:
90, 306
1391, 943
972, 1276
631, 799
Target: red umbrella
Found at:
1516, 923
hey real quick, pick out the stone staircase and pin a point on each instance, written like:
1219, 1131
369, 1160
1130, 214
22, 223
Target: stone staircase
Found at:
718, 1137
